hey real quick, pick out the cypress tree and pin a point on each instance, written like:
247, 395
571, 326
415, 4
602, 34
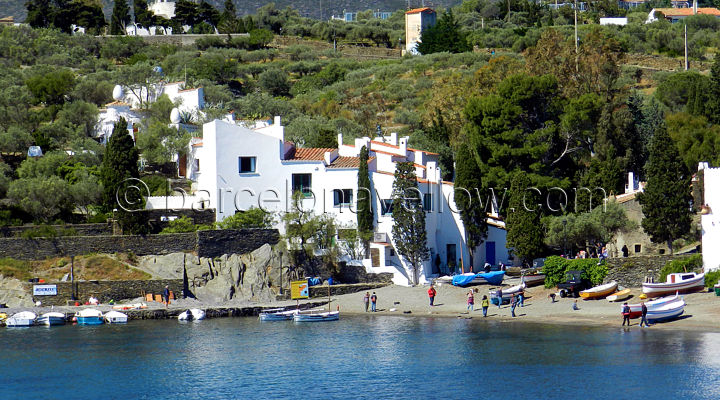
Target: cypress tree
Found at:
468, 181
524, 230
666, 199
365, 217
408, 230
120, 17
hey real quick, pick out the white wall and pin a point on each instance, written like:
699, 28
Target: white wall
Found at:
711, 221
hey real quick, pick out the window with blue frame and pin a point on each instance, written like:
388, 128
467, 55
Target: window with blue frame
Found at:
246, 165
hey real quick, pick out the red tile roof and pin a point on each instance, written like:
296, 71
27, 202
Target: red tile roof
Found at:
384, 144
423, 151
385, 152
309, 154
345, 162
419, 10
686, 12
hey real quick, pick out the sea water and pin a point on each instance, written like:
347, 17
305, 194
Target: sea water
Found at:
373, 357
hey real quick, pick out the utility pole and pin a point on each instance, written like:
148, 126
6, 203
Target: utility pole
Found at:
576, 39
686, 54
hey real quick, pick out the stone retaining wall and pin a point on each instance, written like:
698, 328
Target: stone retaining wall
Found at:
631, 271
81, 229
107, 290
218, 242
321, 291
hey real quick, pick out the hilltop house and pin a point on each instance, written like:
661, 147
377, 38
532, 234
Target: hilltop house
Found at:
416, 21
235, 167
676, 14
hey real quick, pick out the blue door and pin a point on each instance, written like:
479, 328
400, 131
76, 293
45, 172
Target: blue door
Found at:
490, 253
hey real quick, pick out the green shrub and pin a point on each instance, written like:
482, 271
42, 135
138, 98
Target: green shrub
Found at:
180, 225
47, 231
712, 278
688, 264
556, 268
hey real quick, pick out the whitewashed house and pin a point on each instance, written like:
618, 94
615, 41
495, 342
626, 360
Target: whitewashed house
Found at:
235, 167
710, 217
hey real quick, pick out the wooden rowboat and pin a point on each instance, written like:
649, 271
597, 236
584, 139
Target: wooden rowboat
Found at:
598, 292
619, 295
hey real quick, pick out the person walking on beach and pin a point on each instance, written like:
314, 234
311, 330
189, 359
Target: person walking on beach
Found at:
626, 314
470, 301
644, 315
513, 304
499, 296
431, 295
366, 300
166, 296
485, 304
373, 302
521, 299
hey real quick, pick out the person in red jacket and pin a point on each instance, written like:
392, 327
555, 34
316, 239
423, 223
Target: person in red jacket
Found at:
431, 294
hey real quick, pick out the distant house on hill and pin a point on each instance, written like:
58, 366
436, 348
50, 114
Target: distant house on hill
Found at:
677, 14
416, 21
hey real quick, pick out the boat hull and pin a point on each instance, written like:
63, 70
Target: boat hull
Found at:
688, 286
278, 316
599, 292
319, 317
619, 296
533, 280
114, 317
89, 320
666, 313
636, 309
19, 322
51, 320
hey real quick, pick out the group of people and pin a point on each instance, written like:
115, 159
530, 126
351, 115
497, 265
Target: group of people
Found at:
643, 314
371, 301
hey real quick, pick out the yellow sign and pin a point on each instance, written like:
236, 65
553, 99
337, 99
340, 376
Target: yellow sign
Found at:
299, 290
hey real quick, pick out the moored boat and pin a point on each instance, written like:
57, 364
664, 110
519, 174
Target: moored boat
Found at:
115, 317
193, 314
51, 319
678, 282
533, 280
619, 295
599, 292
317, 316
89, 316
277, 314
666, 311
23, 318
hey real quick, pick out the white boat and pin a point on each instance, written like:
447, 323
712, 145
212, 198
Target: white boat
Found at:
317, 316
193, 314
23, 318
678, 282
636, 309
89, 316
666, 311
599, 292
277, 314
51, 318
115, 317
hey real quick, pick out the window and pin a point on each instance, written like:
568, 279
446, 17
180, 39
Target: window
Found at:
342, 197
246, 165
427, 202
637, 248
302, 183
386, 206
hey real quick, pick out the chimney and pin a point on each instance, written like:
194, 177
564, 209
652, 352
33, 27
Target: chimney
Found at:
340, 140
694, 7
276, 121
403, 145
393, 138
630, 187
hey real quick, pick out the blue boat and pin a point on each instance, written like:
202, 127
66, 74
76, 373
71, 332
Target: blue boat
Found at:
89, 316
493, 278
277, 314
317, 317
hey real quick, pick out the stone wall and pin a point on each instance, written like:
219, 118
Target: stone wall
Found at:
81, 229
631, 271
107, 290
321, 291
215, 243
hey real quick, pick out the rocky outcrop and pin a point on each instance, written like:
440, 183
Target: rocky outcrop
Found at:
14, 294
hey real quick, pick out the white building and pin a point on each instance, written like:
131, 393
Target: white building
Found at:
677, 14
236, 167
416, 21
710, 217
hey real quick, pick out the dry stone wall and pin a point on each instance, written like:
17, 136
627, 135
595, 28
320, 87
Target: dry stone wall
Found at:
631, 271
106, 290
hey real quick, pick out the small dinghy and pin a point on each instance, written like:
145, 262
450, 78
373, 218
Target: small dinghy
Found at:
277, 314
317, 316
51, 319
193, 314
667, 311
24, 318
619, 295
599, 292
115, 317
89, 316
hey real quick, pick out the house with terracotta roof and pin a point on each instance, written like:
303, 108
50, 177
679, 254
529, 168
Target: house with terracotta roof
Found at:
235, 167
677, 14
416, 21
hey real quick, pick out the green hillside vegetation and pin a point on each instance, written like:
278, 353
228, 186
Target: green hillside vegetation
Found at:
89, 267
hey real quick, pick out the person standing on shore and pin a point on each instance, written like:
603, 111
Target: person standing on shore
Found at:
626, 314
373, 302
521, 299
513, 304
644, 315
485, 304
366, 300
470, 301
431, 295
499, 296
166, 296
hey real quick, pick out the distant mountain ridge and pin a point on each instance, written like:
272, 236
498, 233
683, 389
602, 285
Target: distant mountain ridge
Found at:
317, 9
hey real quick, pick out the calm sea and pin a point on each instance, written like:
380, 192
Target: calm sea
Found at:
360, 357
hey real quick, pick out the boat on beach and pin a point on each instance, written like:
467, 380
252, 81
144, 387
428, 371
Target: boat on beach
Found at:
115, 317
317, 316
51, 319
533, 280
193, 314
599, 292
89, 316
667, 311
636, 309
679, 282
23, 318
493, 278
506, 294
619, 295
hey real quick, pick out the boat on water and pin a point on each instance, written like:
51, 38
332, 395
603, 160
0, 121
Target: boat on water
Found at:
89, 316
684, 282
23, 318
277, 314
533, 280
317, 316
493, 278
193, 314
51, 319
599, 292
619, 295
115, 317
666, 311
636, 309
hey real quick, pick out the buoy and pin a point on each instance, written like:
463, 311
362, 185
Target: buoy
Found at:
643, 296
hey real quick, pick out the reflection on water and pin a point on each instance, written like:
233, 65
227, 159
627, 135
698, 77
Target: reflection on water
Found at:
374, 357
